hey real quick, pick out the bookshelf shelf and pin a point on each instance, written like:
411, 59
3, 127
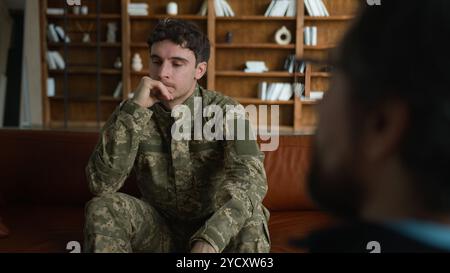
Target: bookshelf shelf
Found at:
163, 16
85, 17
272, 74
256, 18
329, 18
256, 46
87, 45
91, 98
87, 71
263, 102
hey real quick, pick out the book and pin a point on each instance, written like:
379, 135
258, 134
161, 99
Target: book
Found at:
255, 67
228, 10
51, 61
269, 9
61, 34
203, 9
51, 33
313, 35
118, 90
292, 8
280, 8
286, 92
51, 87
262, 89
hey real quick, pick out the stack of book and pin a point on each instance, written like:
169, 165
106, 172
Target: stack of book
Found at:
310, 35
313, 96
282, 8
316, 8
221, 7
56, 33
138, 9
255, 67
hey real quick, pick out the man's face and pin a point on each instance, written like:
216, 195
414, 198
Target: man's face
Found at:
175, 67
333, 179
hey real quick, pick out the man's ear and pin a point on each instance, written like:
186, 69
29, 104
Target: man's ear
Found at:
200, 70
385, 129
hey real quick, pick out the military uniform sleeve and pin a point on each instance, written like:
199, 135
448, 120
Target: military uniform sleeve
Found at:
114, 155
240, 194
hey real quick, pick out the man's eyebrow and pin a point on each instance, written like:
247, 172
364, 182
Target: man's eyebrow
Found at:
173, 58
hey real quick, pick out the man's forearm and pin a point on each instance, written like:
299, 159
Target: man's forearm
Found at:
114, 155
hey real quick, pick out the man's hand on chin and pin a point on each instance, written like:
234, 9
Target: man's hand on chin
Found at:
202, 247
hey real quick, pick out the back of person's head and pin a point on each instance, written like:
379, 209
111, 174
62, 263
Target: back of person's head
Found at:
399, 51
183, 33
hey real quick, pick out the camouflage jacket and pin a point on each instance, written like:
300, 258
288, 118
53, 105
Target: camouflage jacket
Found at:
219, 182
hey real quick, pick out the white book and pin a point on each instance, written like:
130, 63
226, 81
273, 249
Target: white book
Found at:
269, 91
313, 35
268, 10
118, 90
286, 92
51, 87
308, 7
228, 8
316, 95
51, 61
276, 91
280, 8
55, 11
307, 35
218, 7
292, 8
323, 8
203, 9
59, 61
144, 13
302, 67
262, 89
298, 89
315, 7
61, 33
51, 34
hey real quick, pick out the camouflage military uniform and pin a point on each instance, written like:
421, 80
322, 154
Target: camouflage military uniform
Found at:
191, 189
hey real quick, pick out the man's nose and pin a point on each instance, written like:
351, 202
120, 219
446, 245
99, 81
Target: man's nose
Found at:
164, 71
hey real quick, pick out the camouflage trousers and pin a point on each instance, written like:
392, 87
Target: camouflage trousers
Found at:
121, 223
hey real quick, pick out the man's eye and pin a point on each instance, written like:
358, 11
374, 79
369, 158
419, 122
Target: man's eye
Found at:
156, 62
176, 64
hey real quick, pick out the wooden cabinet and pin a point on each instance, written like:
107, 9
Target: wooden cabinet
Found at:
84, 89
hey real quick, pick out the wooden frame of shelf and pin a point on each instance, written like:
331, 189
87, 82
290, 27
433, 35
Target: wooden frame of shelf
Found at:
225, 72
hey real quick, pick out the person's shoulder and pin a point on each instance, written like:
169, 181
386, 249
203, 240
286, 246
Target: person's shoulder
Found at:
216, 98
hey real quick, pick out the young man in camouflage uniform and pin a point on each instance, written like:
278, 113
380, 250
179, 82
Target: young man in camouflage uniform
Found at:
197, 195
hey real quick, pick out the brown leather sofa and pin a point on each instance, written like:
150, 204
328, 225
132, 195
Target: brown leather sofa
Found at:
43, 190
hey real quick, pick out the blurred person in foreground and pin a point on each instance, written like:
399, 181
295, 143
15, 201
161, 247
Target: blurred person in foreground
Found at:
382, 157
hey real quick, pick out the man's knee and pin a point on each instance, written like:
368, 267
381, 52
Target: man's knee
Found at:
107, 215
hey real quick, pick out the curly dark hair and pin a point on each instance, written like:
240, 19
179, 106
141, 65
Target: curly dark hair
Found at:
183, 33
400, 50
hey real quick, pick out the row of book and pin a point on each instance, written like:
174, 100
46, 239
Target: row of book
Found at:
281, 8
291, 64
316, 8
56, 34
279, 91
310, 35
221, 7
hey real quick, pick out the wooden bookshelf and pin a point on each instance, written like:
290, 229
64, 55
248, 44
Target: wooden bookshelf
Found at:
84, 89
